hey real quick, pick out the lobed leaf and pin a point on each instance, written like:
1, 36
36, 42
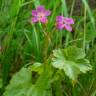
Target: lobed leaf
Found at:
71, 60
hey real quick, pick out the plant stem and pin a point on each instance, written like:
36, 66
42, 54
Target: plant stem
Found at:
72, 7
67, 39
84, 39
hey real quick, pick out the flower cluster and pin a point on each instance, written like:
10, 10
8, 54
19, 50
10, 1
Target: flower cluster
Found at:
41, 14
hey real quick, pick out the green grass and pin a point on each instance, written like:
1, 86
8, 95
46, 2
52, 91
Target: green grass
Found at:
23, 43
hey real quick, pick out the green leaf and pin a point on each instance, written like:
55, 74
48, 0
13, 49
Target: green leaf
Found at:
1, 83
37, 67
15, 7
90, 33
57, 87
36, 3
84, 65
42, 86
71, 60
74, 53
20, 83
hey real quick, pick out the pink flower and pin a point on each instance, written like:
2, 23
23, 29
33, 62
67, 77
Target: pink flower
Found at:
64, 23
40, 14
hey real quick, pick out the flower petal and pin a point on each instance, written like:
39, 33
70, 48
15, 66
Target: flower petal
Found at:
44, 20
60, 26
68, 27
59, 18
34, 19
47, 12
40, 8
34, 13
69, 20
